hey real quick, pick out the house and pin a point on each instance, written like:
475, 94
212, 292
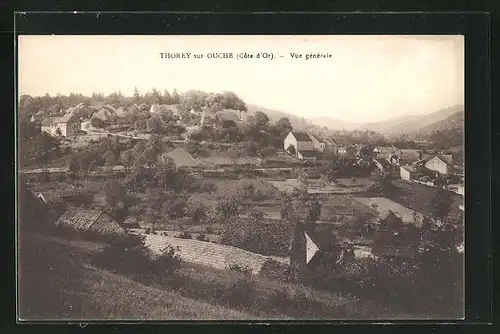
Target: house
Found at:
175, 109
318, 144
65, 126
383, 165
405, 157
90, 220
227, 118
299, 141
180, 157
38, 117
439, 163
53, 204
384, 152
304, 145
407, 172
48, 198
331, 146
342, 150
313, 247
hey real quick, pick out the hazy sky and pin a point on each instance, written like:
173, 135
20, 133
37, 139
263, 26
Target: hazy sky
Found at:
367, 78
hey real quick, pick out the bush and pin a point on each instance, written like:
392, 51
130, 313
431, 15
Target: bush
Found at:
201, 237
275, 270
167, 262
239, 269
240, 292
126, 255
185, 235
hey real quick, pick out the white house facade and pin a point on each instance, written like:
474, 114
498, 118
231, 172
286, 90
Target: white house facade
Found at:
438, 164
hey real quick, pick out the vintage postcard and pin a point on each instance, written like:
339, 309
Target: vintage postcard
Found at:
240, 177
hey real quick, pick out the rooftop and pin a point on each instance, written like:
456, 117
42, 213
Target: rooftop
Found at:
302, 136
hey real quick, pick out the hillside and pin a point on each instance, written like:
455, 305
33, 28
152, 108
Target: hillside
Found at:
455, 121
71, 289
298, 123
411, 124
335, 124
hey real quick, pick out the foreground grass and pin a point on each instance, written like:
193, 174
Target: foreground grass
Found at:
56, 283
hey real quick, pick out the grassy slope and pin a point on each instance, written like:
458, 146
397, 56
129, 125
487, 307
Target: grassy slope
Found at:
64, 287
418, 197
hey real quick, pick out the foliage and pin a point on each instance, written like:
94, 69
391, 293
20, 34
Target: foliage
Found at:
227, 208
275, 270
129, 255
440, 203
115, 193
266, 238
239, 292
202, 237
39, 148
185, 235
240, 269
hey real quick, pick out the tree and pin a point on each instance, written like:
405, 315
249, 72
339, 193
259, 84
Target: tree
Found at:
283, 126
197, 210
176, 99
313, 210
127, 160
227, 208
286, 206
166, 98
440, 203
137, 96
291, 150
115, 193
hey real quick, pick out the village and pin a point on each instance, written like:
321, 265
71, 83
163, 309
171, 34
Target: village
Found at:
231, 190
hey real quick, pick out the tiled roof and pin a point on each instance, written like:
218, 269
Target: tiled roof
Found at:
410, 168
79, 218
302, 136
207, 253
228, 115
89, 220
385, 149
49, 121
408, 155
182, 158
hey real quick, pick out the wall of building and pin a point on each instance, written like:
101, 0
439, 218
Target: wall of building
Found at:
437, 165
405, 175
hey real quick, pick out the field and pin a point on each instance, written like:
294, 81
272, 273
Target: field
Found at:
383, 205
418, 198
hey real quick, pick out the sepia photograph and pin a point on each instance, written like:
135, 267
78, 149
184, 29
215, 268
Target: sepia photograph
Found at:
249, 177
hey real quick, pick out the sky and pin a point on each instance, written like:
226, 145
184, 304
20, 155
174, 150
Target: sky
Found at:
363, 79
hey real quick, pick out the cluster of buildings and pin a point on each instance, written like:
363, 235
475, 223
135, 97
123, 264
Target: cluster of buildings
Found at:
417, 166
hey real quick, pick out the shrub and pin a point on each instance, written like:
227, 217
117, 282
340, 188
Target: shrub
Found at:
239, 269
201, 237
167, 262
240, 292
126, 254
185, 235
209, 230
275, 270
